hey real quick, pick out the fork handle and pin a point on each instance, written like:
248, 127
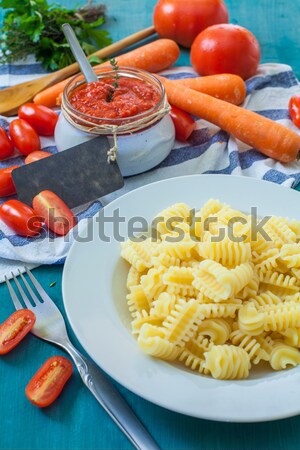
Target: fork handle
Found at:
111, 400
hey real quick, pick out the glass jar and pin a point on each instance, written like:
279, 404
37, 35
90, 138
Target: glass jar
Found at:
138, 151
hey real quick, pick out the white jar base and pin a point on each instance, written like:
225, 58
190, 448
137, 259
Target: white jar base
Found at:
137, 152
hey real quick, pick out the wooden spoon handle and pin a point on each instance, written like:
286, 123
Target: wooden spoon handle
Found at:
110, 50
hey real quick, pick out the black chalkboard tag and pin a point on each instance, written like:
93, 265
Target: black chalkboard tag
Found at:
78, 175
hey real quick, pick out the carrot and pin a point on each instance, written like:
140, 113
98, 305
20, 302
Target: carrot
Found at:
265, 135
48, 96
153, 57
228, 87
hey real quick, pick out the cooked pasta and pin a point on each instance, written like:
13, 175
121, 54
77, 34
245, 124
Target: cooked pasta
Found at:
284, 355
278, 283
137, 300
213, 280
227, 252
290, 255
218, 330
265, 299
252, 345
212, 303
169, 217
152, 341
227, 362
181, 323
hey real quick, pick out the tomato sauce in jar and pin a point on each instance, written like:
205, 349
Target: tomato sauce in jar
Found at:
100, 99
136, 113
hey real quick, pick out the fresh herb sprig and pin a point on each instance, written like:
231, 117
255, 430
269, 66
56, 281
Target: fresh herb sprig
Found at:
116, 77
34, 27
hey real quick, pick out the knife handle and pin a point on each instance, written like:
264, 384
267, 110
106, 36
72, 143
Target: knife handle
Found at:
111, 401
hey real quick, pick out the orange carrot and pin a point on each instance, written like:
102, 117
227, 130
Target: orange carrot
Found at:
265, 135
48, 96
153, 57
228, 87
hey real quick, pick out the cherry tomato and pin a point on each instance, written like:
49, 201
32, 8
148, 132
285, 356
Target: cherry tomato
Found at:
21, 218
7, 186
24, 136
6, 145
226, 49
183, 20
294, 108
58, 216
183, 122
41, 118
49, 380
36, 156
14, 329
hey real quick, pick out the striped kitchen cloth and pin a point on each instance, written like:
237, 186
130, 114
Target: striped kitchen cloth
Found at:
209, 151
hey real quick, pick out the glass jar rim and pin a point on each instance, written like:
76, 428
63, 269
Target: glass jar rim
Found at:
130, 72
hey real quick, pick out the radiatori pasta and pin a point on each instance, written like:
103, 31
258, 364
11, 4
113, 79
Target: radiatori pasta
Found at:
212, 296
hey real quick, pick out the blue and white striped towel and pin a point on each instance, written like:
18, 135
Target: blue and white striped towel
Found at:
210, 151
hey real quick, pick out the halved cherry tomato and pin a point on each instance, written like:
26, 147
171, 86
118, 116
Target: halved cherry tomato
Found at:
294, 108
21, 218
7, 186
24, 136
183, 122
14, 329
36, 156
41, 118
58, 216
6, 145
49, 380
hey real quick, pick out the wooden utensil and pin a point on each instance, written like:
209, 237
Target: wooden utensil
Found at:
13, 97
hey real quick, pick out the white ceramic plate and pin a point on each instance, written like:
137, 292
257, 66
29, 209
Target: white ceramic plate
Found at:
94, 289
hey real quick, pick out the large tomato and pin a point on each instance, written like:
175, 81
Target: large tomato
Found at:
183, 20
226, 49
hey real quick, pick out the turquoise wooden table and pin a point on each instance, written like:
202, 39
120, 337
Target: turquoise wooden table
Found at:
76, 421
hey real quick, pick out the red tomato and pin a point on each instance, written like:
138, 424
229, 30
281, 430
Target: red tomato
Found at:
226, 49
6, 145
294, 108
49, 380
41, 118
183, 122
14, 329
36, 156
58, 216
7, 186
24, 136
21, 218
183, 20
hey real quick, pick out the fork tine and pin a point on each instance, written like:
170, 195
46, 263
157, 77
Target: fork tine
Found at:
13, 295
38, 287
22, 293
34, 297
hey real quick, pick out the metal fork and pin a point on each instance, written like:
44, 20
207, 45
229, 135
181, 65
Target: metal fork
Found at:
50, 326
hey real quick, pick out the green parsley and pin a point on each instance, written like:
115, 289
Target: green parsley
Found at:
34, 27
52, 284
